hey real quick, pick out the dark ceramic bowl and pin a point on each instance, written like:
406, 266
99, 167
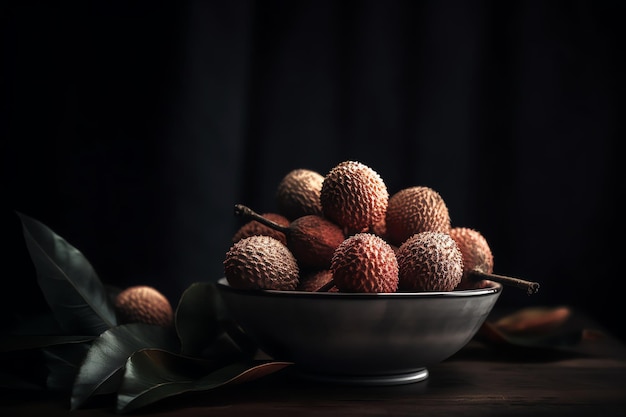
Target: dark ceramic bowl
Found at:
359, 338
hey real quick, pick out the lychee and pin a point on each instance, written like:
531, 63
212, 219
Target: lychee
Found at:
298, 193
143, 304
429, 261
261, 262
312, 239
354, 196
475, 251
364, 262
413, 210
253, 227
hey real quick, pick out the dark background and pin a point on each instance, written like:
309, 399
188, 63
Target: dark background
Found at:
132, 128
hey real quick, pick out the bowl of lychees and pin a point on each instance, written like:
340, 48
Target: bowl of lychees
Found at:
354, 284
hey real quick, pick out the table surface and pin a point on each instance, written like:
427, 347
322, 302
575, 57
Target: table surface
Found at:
587, 379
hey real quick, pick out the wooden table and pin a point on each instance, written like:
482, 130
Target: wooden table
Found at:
588, 379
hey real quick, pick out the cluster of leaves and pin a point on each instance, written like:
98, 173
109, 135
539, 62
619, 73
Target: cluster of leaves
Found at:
83, 351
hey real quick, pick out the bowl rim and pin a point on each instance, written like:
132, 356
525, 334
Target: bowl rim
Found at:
493, 288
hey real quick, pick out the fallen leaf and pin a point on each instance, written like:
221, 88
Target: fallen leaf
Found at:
153, 375
533, 320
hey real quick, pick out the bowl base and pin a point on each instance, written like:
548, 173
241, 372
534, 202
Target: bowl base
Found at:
370, 380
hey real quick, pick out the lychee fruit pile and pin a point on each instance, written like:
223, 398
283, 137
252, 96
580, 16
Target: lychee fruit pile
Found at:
345, 232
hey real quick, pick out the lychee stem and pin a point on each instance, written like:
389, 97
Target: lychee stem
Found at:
248, 213
529, 286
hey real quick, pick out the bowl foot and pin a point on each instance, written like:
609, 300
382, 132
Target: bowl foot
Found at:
393, 379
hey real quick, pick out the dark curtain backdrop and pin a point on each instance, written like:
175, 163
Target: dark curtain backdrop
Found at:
132, 128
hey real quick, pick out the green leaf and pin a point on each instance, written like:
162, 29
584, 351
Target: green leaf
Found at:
55, 357
197, 318
152, 375
533, 327
102, 368
69, 283
63, 362
43, 323
10, 343
238, 338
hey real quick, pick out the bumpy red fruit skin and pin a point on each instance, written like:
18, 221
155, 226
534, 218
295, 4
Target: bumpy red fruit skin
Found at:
255, 228
364, 262
429, 261
261, 262
354, 196
143, 304
298, 193
475, 251
413, 210
315, 280
313, 239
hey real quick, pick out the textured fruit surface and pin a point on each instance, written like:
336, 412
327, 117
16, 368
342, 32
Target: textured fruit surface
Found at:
261, 262
413, 210
315, 280
429, 261
354, 196
298, 193
380, 228
253, 228
475, 252
365, 262
313, 239
143, 304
